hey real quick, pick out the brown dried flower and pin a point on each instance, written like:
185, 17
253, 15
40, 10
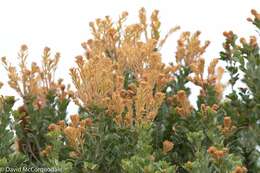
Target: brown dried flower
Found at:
240, 169
227, 126
114, 51
34, 80
217, 153
184, 108
167, 146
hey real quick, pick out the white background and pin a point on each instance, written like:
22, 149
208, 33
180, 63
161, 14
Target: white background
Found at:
63, 24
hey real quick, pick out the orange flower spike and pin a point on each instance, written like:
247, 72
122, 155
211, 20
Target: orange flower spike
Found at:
243, 40
253, 41
181, 95
212, 66
219, 154
220, 72
46, 151
73, 135
155, 24
256, 14
53, 127
75, 120
194, 68
229, 35
181, 111
227, 122
185, 107
240, 169
201, 64
143, 20
216, 153
167, 146
212, 150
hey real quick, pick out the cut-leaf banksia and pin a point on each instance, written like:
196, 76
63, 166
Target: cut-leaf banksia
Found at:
135, 112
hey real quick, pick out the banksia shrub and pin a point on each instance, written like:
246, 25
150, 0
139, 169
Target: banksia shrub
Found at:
134, 112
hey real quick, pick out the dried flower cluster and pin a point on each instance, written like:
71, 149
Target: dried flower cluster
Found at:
240, 169
35, 80
214, 76
141, 105
227, 127
115, 51
184, 109
74, 132
255, 14
45, 152
190, 54
189, 49
205, 109
167, 146
217, 153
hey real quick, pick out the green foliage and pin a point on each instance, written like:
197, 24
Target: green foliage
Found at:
6, 133
31, 123
108, 144
143, 160
243, 64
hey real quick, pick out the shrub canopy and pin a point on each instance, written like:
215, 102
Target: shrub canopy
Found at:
134, 111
